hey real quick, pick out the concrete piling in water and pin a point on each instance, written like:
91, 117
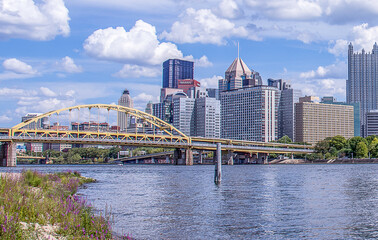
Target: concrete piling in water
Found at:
218, 165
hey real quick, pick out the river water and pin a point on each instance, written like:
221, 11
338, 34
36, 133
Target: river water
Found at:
252, 202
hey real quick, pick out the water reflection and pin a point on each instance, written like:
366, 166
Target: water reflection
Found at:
252, 202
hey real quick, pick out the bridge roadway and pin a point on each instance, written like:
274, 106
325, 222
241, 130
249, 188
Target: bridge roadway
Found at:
146, 140
160, 134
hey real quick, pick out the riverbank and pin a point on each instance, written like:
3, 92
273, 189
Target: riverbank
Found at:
325, 161
44, 206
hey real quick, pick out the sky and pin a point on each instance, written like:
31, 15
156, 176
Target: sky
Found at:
56, 53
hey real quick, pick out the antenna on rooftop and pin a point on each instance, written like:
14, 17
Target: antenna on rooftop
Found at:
238, 49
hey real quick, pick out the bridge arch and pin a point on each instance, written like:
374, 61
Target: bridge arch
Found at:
155, 121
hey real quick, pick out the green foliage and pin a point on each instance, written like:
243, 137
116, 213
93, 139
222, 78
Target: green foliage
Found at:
370, 138
47, 199
285, 139
361, 150
322, 147
353, 142
338, 142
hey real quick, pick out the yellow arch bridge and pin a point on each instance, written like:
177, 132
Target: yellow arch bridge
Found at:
149, 131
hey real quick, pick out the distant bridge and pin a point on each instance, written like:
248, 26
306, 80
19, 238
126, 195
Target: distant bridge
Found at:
149, 131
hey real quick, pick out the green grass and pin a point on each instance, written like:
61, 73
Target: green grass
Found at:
48, 199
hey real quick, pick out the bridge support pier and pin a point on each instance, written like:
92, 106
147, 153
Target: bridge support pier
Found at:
230, 157
8, 154
200, 157
189, 157
183, 158
218, 164
152, 160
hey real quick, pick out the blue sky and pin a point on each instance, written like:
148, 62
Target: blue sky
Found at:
56, 53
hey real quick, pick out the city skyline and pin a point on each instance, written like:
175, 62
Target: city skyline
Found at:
71, 60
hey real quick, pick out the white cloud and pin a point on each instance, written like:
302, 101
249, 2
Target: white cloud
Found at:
136, 71
70, 93
204, 27
138, 46
141, 100
202, 62
229, 9
69, 65
324, 81
38, 20
17, 66
362, 37
338, 47
210, 82
47, 92
11, 92
5, 119
336, 70
287, 9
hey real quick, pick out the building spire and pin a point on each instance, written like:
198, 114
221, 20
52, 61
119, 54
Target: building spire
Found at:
238, 49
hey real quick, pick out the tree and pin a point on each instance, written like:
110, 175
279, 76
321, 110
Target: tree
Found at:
285, 139
338, 142
354, 141
370, 139
361, 150
75, 158
373, 148
322, 146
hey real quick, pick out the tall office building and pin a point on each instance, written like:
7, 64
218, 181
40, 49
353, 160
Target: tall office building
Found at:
250, 113
278, 83
149, 108
207, 122
356, 112
126, 101
286, 115
40, 124
175, 69
317, 121
238, 75
184, 115
372, 123
186, 84
362, 82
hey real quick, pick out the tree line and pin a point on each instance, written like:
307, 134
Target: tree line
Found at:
91, 155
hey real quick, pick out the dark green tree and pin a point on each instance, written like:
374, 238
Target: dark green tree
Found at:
338, 142
285, 139
361, 150
354, 141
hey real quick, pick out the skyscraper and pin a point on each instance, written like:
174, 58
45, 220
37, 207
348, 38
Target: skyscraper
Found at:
207, 111
175, 69
238, 75
40, 124
126, 101
286, 116
362, 82
250, 113
317, 121
184, 114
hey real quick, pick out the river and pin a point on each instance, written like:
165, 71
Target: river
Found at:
314, 201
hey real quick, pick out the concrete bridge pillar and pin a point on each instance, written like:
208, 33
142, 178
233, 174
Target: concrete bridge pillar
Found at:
230, 157
177, 155
189, 157
8, 155
152, 160
167, 159
181, 157
200, 157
